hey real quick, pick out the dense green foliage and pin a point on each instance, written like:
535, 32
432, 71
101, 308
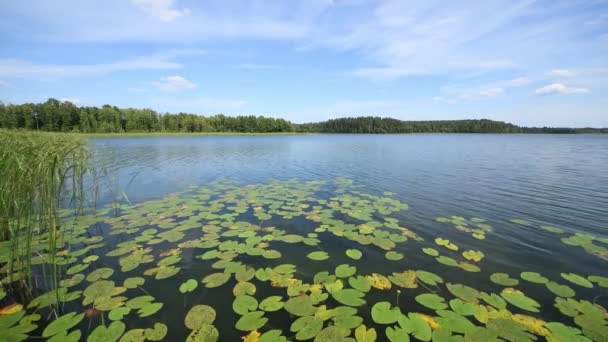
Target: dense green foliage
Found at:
371, 124
57, 116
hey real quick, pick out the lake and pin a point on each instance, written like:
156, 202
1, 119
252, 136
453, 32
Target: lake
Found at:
398, 222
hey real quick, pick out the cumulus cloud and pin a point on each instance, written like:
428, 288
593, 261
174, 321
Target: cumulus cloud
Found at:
161, 9
73, 101
562, 73
174, 83
558, 88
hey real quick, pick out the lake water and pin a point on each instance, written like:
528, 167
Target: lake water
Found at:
529, 203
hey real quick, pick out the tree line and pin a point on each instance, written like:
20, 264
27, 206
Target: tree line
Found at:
62, 116
369, 124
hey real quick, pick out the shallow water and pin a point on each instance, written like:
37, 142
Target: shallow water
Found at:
542, 180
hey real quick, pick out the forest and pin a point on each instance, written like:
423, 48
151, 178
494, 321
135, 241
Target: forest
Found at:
62, 116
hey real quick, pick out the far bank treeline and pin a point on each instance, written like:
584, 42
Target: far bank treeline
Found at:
59, 116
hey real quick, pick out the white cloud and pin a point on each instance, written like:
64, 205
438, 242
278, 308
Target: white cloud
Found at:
492, 92
74, 101
517, 82
250, 66
161, 9
562, 73
199, 105
558, 88
174, 83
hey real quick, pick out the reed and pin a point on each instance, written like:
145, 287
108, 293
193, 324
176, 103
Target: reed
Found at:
39, 174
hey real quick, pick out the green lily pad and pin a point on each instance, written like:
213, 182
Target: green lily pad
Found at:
428, 277
318, 255
350, 297
110, 333
134, 282
600, 281
503, 279
188, 286
533, 277
100, 273
332, 334
251, 321
244, 304
560, 290
520, 222
157, 333
149, 309
362, 334
63, 336
119, 313
272, 303
62, 324
397, 334
354, 254
382, 313
244, 287
360, 283
199, 316
473, 255
300, 306
216, 280
432, 301
394, 256
466, 293
416, 325
430, 251
345, 271
519, 299
577, 279
306, 327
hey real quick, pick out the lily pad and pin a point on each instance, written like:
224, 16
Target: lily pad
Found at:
199, 316
272, 303
251, 321
533, 277
62, 324
560, 290
382, 313
134, 282
306, 327
362, 334
429, 277
354, 254
188, 286
300, 306
318, 255
394, 256
432, 301
350, 297
577, 279
216, 280
345, 271
503, 279
243, 304
519, 299
110, 333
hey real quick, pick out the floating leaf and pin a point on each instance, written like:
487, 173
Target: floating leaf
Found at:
199, 316
149, 309
300, 306
394, 256
405, 279
10, 309
243, 304
577, 279
430, 251
157, 333
429, 277
62, 324
318, 255
350, 297
134, 282
417, 325
332, 334
560, 290
382, 313
520, 300
432, 301
520, 222
188, 286
100, 273
362, 334
110, 333
216, 279
345, 271
466, 293
251, 321
306, 327
503, 279
396, 334
601, 281
533, 277
244, 287
272, 303
119, 313
354, 254
472, 255
360, 283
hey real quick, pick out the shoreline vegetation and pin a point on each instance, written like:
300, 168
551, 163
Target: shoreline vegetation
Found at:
107, 121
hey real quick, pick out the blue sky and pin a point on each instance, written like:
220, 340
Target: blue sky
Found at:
527, 62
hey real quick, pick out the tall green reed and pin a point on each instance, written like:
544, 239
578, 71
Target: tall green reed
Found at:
39, 173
